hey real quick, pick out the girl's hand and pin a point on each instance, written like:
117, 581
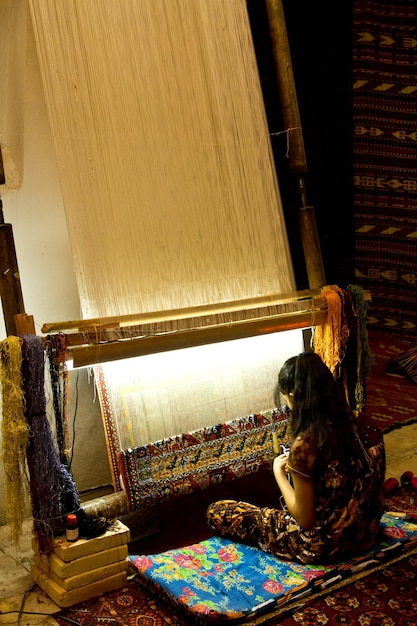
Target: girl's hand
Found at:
279, 463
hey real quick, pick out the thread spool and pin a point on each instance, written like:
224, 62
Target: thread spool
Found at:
406, 478
413, 483
391, 485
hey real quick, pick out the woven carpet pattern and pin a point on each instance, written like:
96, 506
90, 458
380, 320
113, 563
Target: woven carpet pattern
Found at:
192, 461
385, 168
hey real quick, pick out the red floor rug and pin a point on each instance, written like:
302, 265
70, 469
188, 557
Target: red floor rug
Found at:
386, 598
390, 399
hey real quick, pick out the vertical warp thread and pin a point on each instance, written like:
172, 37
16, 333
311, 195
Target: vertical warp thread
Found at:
172, 161
167, 175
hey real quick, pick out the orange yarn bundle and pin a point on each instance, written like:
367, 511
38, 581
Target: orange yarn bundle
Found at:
329, 339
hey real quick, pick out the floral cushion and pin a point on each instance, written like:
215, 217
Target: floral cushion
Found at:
218, 580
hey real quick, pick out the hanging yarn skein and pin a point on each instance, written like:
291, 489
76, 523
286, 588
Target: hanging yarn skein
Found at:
56, 350
329, 340
53, 491
365, 356
15, 434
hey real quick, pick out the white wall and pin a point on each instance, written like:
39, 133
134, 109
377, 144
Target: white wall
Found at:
50, 294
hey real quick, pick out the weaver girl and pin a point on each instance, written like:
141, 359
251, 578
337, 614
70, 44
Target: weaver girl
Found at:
331, 507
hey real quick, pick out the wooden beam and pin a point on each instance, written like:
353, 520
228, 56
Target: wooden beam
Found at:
10, 287
297, 157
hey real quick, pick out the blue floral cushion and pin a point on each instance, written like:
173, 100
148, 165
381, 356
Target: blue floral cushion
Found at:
220, 580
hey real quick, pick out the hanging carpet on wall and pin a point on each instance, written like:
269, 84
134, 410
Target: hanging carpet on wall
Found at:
385, 170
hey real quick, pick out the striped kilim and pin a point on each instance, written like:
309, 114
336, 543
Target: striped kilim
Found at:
385, 164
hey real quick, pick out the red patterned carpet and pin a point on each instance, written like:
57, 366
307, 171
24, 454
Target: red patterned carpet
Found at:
391, 400
386, 598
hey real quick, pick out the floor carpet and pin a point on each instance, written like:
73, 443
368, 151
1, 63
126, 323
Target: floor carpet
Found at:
390, 399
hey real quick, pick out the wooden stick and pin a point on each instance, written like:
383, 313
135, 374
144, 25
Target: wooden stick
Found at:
10, 287
84, 356
25, 324
297, 157
116, 322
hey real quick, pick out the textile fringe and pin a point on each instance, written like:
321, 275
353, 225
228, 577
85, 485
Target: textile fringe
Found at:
15, 435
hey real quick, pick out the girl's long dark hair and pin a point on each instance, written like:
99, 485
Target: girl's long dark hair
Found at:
319, 403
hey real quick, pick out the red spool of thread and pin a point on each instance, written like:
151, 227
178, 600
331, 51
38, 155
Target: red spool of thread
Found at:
413, 483
406, 478
391, 485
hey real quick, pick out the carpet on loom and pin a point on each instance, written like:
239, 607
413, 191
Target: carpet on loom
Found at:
384, 60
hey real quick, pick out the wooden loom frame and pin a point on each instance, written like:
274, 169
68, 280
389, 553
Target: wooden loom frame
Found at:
105, 339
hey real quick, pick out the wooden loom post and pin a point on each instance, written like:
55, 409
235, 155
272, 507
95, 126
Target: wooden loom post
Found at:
10, 287
297, 158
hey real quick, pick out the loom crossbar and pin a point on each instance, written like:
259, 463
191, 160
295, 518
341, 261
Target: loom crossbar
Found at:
108, 339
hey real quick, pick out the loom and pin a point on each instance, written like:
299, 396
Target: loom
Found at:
151, 308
